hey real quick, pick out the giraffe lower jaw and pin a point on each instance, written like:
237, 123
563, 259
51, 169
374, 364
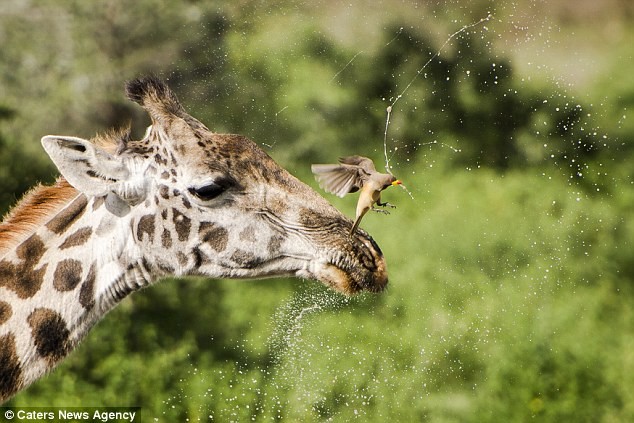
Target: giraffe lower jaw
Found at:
349, 280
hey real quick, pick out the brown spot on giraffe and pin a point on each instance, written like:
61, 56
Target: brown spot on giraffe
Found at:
248, 234
22, 278
164, 191
87, 290
174, 161
160, 160
50, 334
67, 275
5, 312
79, 237
182, 224
31, 250
214, 235
275, 243
146, 225
166, 239
245, 259
68, 216
10, 370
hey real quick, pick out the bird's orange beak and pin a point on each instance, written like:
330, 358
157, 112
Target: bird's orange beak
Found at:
397, 182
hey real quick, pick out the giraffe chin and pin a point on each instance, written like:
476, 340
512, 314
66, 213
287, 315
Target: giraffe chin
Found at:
350, 282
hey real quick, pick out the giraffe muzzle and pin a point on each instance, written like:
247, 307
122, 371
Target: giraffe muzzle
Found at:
358, 266
371, 275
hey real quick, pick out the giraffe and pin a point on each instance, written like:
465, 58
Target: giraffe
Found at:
125, 213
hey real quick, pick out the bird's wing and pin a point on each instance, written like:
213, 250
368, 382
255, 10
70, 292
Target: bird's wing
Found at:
363, 162
339, 179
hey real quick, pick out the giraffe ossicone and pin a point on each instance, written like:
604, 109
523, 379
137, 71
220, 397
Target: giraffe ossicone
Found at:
125, 213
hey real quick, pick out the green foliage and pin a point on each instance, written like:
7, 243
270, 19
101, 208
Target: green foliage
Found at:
511, 269
15, 177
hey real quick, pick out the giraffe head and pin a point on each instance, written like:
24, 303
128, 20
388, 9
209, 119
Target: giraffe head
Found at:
201, 203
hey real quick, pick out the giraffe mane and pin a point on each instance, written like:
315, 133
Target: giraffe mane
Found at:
42, 202
32, 211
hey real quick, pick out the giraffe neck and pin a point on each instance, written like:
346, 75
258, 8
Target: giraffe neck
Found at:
59, 281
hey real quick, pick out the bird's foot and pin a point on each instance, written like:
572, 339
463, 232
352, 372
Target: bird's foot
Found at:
386, 204
379, 210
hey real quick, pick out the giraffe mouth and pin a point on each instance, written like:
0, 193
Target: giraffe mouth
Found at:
360, 268
351, 282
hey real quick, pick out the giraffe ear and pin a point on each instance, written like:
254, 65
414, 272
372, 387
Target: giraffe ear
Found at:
85, 166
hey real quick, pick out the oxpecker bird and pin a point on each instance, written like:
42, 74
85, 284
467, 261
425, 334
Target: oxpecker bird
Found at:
352, 174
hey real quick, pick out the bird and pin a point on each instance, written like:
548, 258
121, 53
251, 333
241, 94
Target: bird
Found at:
352, 174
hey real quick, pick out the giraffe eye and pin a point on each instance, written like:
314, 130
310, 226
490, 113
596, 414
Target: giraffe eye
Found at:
207, 192
212, 190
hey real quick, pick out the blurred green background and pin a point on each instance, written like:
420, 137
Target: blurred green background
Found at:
511, 268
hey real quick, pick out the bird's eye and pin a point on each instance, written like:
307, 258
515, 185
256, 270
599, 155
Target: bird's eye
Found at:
211, 190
